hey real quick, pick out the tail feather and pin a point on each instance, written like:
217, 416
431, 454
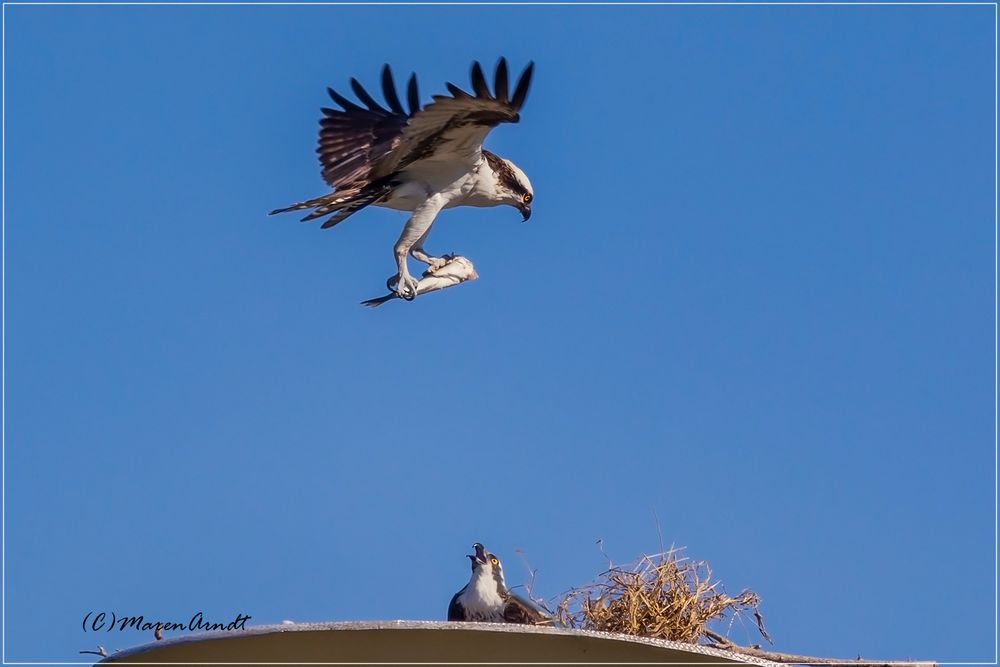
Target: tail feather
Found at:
343, 203
309, 203
347, 209
334, 202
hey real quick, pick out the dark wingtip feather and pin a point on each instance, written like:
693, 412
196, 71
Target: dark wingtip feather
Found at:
500, 80
479, 81
456, 91
365, 98
342, 101
389, 90
521, 91
413, 95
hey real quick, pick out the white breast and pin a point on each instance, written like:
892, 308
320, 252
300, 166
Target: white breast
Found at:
480, 598
460, 184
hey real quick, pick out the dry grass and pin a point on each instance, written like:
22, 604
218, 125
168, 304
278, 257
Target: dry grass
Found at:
666, 595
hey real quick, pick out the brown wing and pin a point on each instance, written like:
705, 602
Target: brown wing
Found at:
520, 611
453, 127
355, 138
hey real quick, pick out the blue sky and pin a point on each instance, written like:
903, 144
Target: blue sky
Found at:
755, 302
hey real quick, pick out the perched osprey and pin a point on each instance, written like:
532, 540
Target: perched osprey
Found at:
486, 598
424, 160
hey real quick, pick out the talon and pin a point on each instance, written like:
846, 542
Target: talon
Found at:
406, 288
435, 264
391, 283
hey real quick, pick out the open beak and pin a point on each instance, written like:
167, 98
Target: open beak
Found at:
525, 211
480, 556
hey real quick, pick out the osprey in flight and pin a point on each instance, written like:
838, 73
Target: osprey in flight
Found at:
424, 160
486, 597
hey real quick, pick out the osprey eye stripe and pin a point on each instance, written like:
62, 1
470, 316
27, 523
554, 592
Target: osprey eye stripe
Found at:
486, 597
407, 159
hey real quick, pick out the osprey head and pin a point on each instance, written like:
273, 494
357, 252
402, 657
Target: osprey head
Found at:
513, 186
485, 564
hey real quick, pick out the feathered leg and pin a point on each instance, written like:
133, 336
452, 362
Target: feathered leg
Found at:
418, 253
414, 232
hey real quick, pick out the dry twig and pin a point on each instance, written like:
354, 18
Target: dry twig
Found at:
669, 596
666, 596
529, 588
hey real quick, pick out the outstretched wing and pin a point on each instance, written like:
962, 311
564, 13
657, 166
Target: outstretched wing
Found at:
354, 139
360, 144
453, 127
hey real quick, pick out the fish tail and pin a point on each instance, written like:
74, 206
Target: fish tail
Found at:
375, 303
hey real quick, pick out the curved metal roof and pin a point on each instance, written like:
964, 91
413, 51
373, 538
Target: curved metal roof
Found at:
420, 641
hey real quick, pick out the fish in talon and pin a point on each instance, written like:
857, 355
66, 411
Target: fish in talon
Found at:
423, 159
457, 270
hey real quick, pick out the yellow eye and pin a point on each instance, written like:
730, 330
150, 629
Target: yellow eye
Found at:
527, 197
494, 560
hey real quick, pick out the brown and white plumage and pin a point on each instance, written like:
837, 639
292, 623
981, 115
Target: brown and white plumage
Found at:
486, 597
354, 139
420, 159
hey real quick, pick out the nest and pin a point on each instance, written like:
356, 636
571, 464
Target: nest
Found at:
666, 596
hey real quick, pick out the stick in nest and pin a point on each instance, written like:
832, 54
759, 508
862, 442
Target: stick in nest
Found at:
665, 595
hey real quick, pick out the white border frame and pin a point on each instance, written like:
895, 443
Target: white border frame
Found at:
504, 3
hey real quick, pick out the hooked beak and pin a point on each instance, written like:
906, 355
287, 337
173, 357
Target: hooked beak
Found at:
525, 211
